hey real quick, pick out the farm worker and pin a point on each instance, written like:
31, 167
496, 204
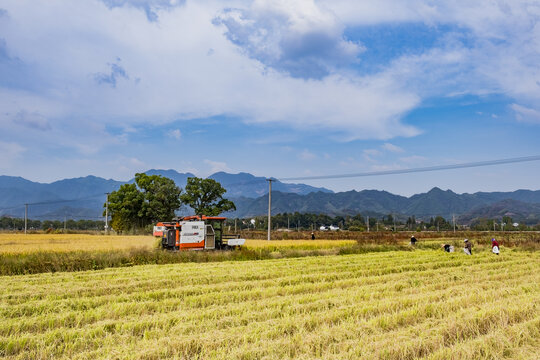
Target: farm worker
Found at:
468, 247
312, 236
413, 240
495, 246
448, 247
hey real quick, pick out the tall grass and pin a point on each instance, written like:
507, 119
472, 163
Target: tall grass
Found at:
51, 261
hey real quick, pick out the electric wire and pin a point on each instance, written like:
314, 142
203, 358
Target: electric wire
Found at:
416, 170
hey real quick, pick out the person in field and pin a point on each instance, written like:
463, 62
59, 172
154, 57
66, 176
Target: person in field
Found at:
468, 247
312, 236
495, 246
448, 247
413, 240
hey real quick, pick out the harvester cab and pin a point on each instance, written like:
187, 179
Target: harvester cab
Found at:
196, 233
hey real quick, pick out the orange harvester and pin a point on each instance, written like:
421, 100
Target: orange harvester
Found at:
198, 232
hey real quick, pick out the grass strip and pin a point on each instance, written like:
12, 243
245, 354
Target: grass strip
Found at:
50, 261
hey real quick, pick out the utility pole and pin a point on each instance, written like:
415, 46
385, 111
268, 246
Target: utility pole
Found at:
235, 225
269, 206
454, 221
368, 223
107, 215
65, 219
25, 217
288, 223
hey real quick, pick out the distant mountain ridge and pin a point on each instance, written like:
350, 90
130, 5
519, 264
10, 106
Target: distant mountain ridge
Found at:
434, 202
53, 200
249, 193
519, 211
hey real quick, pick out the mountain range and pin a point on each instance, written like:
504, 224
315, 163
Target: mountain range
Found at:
81, 198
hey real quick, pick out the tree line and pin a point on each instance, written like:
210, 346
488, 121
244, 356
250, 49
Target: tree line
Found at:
359, 222
8, 223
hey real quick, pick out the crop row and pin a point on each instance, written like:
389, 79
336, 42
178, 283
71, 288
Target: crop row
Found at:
392, 305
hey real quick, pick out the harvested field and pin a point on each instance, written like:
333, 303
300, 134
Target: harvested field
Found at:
390, 305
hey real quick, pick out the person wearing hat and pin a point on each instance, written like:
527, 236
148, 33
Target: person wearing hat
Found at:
468, 247
413, 240
312, 236
447, 247
495, 246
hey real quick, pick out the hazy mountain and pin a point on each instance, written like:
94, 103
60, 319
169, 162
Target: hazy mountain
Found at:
241, 184
423, 206
84, 198
519, 211
247, 185
88, 193
444, 203
180, 179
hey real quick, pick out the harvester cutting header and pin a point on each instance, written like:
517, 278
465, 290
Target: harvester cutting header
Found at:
196, 233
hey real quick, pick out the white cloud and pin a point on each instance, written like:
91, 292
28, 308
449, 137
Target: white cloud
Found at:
32, 120
494, 46
10, 152
392, 148
176, 134
181, 66
216, 166
525, 114
170, 76
370, 154
126, 166
296, 36
306, 155
150, 7
414, 159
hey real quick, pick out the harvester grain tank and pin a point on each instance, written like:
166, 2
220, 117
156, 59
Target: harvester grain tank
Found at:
196, 233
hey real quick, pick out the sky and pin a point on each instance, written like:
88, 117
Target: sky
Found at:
282, 88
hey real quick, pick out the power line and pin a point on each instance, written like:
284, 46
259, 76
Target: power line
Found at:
52, 202
415, 170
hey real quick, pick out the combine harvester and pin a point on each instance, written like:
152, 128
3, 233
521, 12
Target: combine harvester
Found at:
196, 233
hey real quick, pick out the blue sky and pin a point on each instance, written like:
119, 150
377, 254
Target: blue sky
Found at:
282, 88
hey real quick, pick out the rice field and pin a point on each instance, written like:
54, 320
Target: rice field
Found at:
20, 243
391, 305
300, 244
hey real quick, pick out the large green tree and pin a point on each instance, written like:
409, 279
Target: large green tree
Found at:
161, 197
150, 199
205, 197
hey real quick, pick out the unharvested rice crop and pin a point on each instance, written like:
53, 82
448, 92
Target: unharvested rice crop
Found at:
391, 305
20, 243
301, 244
